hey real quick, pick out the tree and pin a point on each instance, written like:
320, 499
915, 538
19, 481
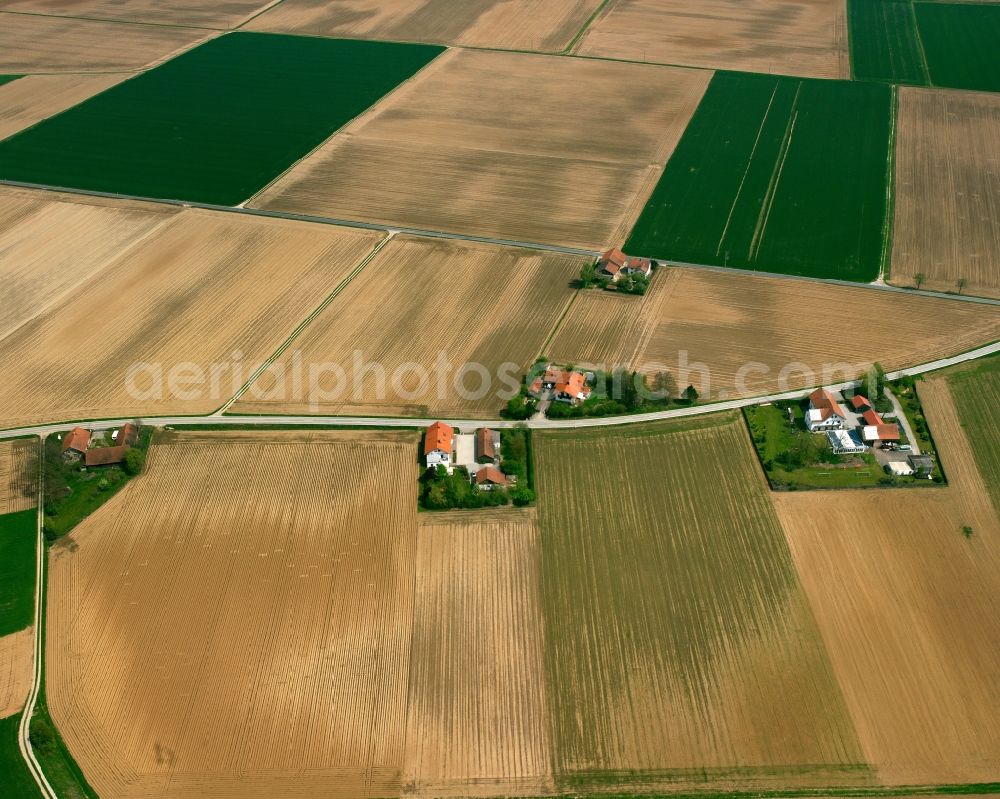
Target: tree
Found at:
961, 283
588, 275
690, 395
135, 459
519, 407
664, 385
919, 279
522, 495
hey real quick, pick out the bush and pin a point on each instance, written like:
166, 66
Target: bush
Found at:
519, 408
522, 495
135, 459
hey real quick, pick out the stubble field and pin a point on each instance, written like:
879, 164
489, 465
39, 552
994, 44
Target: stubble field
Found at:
18, 475
36, 97
31, 43
16, 663
195, 13
975, 391
50, 244
505, 24
948, 191
803, 37
241, 584
905, 603
679, 640
416, 300
458, 150
477, 722
207, 288
766, 330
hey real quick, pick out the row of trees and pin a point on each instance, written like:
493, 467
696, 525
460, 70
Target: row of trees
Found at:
920, 278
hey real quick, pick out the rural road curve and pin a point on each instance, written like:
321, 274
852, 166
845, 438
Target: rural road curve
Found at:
538, 424
439, 234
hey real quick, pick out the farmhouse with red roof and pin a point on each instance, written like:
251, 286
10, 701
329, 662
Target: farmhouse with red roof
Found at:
614, 264
439, 445
75, 443
824, 412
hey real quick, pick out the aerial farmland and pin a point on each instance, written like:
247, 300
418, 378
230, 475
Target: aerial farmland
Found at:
468, 399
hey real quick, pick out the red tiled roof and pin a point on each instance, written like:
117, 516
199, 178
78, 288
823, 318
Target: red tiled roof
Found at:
887, 432
574, 384
491, 474
103, 456
439, 437
128, 434
484, 444
871, 417
641, 264
826, 404
860, 401
613, 257
77, 439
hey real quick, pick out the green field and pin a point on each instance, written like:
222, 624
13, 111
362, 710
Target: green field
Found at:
8, 78
962, 43
18, 538
976, 393
779, 175
15, 779
885, 44
215, 124
677, 632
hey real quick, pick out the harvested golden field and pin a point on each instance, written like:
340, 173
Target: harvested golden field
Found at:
458, 149
18, 475
478, 720
31, 99
224, 14
16, 665
907, 607
30, 43
948, 191
745, 331
975, 387
679, 640
237, 620
416, 314
193, 309
505, 24
788, 37
50, 244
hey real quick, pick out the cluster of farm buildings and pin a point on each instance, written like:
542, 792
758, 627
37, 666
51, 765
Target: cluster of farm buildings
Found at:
79, 444
861, 429
478, 453
613, 265
561, 385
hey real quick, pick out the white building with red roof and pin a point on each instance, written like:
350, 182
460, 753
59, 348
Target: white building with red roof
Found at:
613, 265
824, 412
439, 444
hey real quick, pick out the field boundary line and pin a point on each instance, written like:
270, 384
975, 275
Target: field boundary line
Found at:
920, 45
889, 225
253, 15
568, 49
24, 728
112, 21
772, 187
305, 323
279, 420
559, 323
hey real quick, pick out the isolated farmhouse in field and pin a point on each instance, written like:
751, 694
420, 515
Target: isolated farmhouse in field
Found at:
439, 445
824, 412
614, 264
564, 385
80, 444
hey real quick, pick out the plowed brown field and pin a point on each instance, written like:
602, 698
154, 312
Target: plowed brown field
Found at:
50, 244
205, 289
906, 605
237, 621
760, 326
16, 664
478, 720
417, 302
458, 149
220, 14
789, 37
679, 640
511, 24
30, 43
18, 475
31, 99
948, 190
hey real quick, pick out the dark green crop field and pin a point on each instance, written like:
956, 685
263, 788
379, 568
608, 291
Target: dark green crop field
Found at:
962, 43
215, 124
779, 175
18, 537
885, 44
15, 779
8, 78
